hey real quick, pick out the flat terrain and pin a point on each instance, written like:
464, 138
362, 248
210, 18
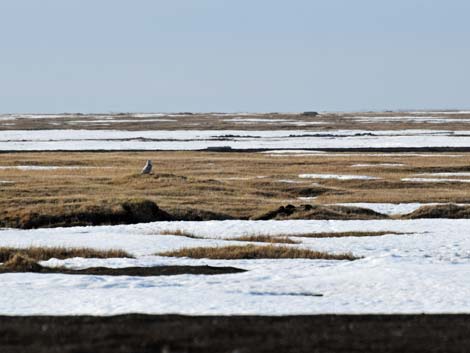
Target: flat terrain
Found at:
233, 185
447, 120
312, 334
246, 221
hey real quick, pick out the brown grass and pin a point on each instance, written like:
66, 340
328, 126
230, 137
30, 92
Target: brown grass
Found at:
180, 233
341, 234
265, 239
255, 252
43, 197
46, 253
21, 263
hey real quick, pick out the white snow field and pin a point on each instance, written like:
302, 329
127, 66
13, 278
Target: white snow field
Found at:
425, 270
38, 140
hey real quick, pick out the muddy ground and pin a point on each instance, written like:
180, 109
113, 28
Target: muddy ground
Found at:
134, 271
171, 333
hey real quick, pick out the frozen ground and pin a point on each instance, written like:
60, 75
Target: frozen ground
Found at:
33, 140
425, 270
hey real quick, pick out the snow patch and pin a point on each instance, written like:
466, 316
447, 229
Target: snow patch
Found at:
337, 176
436, 180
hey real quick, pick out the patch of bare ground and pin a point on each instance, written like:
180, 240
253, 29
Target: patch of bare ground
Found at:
180, 233
255, 252
247, 334
194, 214
46, 253
23, 263
132, 211
320, 212
265, 239
342, 234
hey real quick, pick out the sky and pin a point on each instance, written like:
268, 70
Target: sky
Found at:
233, 56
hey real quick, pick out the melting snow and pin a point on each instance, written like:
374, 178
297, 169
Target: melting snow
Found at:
436, 180
336, 176
425, 271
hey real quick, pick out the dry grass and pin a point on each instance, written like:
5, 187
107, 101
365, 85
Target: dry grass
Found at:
255, 252
250, 238
265, 239
341, 234
206, 182
180, 233
46, 253
21, 263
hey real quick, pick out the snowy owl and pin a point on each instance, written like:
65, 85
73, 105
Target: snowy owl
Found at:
148, 167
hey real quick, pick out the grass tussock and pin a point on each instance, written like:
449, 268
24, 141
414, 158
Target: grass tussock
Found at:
22, 263
46, 253
255, 252
440, 211
266, 239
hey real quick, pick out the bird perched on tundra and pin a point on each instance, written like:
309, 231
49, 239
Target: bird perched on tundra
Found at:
148, 167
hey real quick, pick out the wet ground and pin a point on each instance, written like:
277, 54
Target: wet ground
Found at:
135, 271
172, 333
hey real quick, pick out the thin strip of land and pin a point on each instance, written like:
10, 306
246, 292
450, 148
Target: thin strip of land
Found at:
176, 333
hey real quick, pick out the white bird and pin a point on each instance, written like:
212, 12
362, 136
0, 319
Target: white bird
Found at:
148, 167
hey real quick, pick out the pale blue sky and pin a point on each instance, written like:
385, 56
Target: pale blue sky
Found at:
237, 55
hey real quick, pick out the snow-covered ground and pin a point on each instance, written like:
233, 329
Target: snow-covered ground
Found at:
408, 118
391, 208
436, 180
425, 270
30, 140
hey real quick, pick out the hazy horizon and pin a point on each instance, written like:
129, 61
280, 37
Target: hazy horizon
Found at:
223, 56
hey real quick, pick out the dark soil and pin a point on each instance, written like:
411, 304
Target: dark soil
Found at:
244, 334
147, 211
129, 271
192, 214
129, 212
320, 212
